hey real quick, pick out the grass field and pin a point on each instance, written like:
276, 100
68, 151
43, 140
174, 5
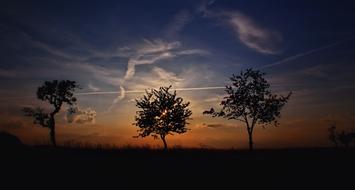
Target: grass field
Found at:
316, 167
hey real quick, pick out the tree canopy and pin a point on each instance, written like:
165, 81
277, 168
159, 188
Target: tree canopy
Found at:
55, 93
250, 101
161, 113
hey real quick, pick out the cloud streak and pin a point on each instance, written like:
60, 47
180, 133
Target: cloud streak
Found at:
7, 73
181, 19
142, 91
139, 91
93, 88
307, 53
151, 52
246, 29
252, 35
80, 116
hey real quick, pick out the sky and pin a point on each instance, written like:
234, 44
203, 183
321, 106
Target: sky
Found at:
117, 49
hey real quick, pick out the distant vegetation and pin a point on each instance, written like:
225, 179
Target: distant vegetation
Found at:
333, 136
344, 137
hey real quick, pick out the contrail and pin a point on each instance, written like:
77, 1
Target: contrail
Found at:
303, 54
120, 92
142, 91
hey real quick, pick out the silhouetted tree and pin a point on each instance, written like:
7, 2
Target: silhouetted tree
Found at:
161, 113
332, 135
346, 138
250, 101
55, 93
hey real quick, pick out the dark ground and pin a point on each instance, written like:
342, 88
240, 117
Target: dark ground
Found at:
216, 169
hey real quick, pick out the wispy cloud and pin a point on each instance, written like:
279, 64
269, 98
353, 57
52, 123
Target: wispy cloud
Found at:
316, 71
166, 75
253, 35
143, 90
180, 20
118, 98
100, 73
80, 116
194, 52
306, 53
151, 52
216, 98
216, 126
7, 73
211, 2
247, 30
56, 51
92, 87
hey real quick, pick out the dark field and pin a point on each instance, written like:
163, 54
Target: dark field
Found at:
282, 168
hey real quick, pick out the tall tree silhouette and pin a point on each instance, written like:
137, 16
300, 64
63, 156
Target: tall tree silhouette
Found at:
55, 93
250, 101
161, 113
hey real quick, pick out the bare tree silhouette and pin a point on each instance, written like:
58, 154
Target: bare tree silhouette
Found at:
55, 93
161, 113
332, 135
250, 101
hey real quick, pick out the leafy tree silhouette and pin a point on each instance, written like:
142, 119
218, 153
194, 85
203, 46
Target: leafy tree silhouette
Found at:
55, 93
346, 138
250, 101
332, 135
161, 113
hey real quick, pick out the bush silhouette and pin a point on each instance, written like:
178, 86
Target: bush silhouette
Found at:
161, 113
250, 101
346, 138
8, 140
55, 93
332, 135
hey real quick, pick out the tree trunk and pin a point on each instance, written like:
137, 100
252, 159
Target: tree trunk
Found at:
52, 136
164, 141
251, 143
52, 130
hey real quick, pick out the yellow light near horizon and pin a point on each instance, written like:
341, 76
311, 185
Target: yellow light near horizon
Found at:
164, 112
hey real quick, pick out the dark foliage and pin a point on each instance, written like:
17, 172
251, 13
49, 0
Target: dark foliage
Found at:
332, 135
55, 93
250, 101
346, 138
161, 113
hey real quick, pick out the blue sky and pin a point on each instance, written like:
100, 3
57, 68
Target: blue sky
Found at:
128, 46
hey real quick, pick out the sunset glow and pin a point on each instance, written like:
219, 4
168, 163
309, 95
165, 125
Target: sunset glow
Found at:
117, 50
